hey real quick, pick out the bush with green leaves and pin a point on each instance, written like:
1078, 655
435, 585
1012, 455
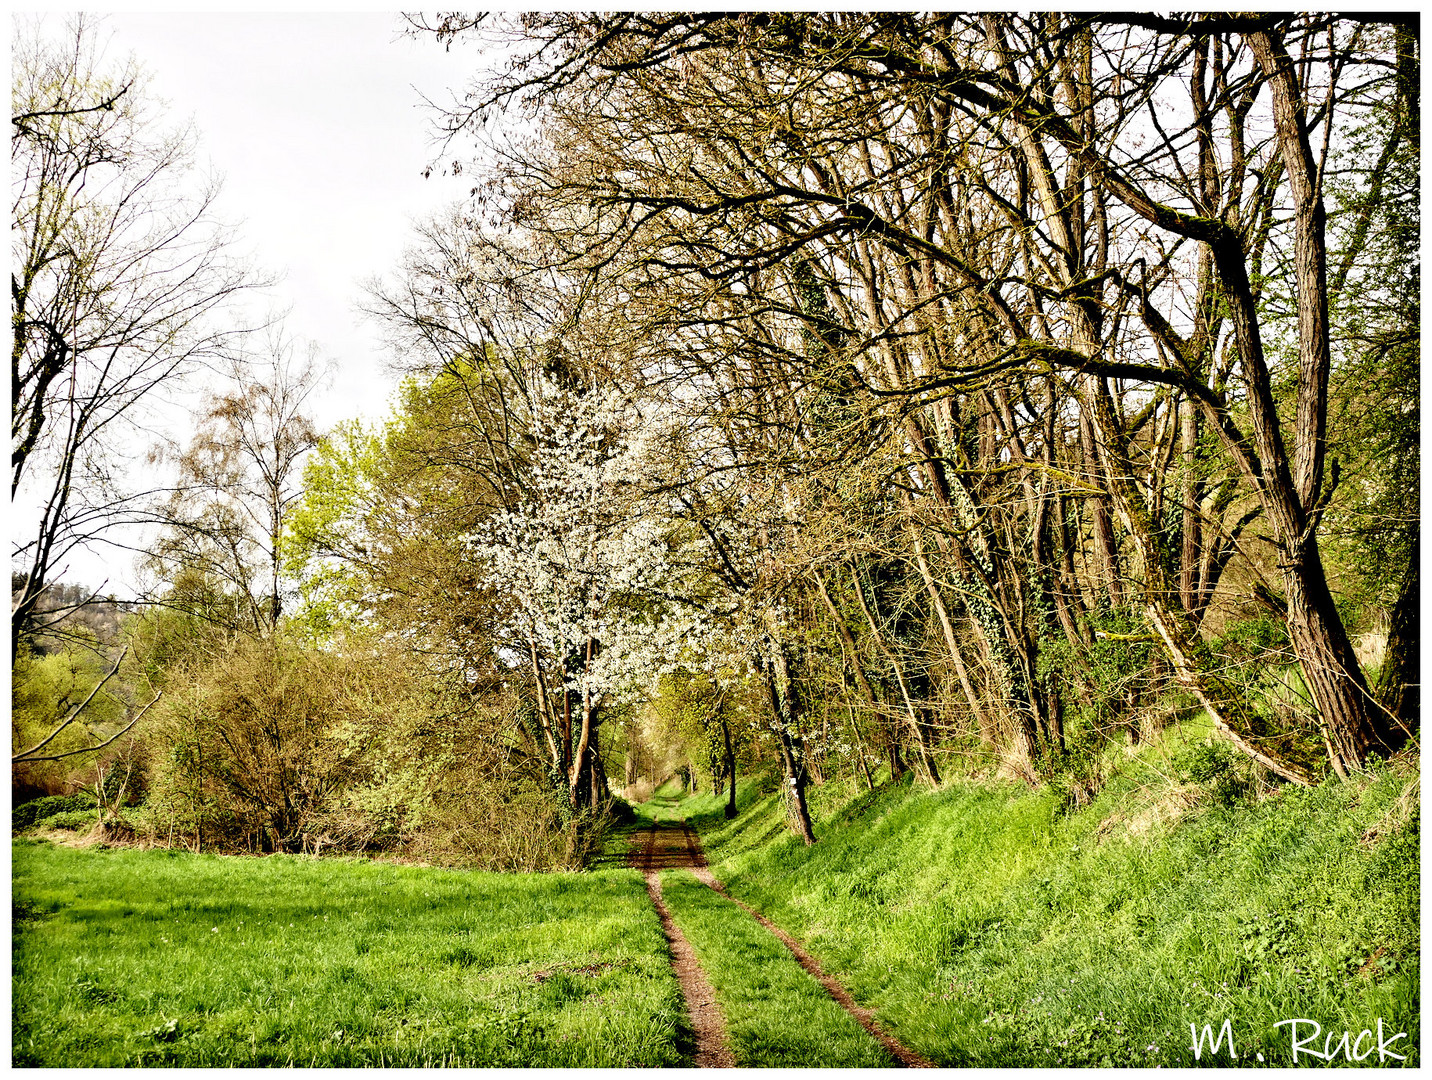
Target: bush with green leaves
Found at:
1103, 685
35, 811
74, 820
274, 745
1225, 774
244, 753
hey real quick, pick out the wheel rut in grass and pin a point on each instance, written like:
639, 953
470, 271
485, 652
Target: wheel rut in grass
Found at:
713, 1049
683, 850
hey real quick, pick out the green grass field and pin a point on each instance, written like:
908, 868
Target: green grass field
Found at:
986, 926
151, 958
988, 929
777, 1015
174, 959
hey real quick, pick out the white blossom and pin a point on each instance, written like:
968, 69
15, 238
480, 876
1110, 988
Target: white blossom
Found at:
586, 554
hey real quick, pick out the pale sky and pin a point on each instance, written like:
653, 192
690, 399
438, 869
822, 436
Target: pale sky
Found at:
315, 124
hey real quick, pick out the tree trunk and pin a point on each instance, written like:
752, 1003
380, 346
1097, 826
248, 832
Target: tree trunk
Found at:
730, 770
544, 708
1190, 588
585, 768
1106, 547
1398, 688
898, 768
812, 763
1330, 666
783, 721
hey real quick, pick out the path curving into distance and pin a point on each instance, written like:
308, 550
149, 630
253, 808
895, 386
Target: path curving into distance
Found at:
673, 845
713, 1049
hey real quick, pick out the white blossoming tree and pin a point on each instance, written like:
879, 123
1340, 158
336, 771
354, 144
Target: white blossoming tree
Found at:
591, 566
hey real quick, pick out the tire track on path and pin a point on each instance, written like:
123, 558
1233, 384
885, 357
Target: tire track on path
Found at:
713, 1049
902, 1054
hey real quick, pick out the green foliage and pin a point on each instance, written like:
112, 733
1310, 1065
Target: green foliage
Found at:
74, 820
1103, 685
1374, 415
273, 745
380, 534
36, 810
1088, 1042
325, 537
1256, 660
43, 691
1074, 777
244, 750
691, 709
191, 623
116, 783
1224, 774
222, 962
1252, 641
623, 813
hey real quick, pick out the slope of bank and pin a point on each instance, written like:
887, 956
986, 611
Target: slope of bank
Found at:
989, 926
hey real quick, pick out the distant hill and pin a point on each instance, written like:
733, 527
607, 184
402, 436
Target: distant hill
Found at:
72, 608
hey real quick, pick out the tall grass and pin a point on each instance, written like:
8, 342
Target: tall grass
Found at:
989, 927
157, 958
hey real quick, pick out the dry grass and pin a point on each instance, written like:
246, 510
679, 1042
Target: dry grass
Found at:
639, 792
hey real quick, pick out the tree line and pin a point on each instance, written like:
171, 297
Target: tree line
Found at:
862, 392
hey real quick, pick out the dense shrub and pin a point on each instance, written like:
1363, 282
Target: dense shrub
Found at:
271, 746
70, 819
1225, 774
28, 814
253, 751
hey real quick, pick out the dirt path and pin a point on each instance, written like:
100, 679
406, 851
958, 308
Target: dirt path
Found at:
713, 1051
679, 847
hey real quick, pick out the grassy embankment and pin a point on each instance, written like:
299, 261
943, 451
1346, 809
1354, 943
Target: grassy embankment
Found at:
988, 928
126, 957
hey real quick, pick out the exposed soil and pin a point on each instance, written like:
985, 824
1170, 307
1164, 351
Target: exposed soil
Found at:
675, 845
665, 848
